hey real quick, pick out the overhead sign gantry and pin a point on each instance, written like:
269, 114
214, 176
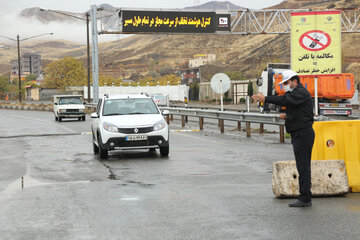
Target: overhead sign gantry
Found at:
177, 21
173, 22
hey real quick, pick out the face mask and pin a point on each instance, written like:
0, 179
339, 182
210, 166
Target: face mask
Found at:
287, 88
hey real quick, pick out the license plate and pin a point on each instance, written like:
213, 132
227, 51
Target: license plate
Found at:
334, 105
136, 138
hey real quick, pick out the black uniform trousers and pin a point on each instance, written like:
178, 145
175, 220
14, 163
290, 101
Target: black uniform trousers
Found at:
303, 141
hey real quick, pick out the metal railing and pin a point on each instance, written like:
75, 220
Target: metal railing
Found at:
221, 116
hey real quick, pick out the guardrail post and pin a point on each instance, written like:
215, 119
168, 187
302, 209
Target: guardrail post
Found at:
172, 117
261, 128
282, 134
168, 119
239, 126
201, 123
221, 123
183, 121
248, 130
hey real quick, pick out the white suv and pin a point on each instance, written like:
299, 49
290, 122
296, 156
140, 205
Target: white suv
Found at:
129, 122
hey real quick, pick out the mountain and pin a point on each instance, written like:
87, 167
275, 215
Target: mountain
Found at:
215, 5
316, 4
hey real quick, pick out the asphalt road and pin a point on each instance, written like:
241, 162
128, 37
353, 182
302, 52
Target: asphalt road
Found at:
212, 186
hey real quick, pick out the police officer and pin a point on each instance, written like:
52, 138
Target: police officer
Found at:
299, 119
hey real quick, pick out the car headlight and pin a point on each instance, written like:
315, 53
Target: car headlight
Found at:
62, 110
159, 125
110, 127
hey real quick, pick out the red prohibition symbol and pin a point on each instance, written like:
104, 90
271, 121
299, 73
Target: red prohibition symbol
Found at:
315, 40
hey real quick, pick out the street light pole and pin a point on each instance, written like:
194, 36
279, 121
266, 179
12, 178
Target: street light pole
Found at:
87, 43
19, 66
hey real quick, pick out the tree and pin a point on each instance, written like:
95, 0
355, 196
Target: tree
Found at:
65, 72
194, 91
4, 84
31, 77
250, 90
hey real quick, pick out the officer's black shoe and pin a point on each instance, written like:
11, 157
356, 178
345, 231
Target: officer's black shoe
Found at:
299, 203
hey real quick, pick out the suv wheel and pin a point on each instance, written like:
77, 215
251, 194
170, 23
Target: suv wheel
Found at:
60, 119
56, 118
164, 151
95, 148
102, 152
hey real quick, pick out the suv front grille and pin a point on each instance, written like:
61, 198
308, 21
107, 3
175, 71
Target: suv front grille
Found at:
133, 130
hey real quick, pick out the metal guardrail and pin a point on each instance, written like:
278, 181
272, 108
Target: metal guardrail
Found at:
247, 117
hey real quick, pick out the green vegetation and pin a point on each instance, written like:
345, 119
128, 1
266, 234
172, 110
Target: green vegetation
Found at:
227, 99
250, 90
65, 72
31, 77
4, 84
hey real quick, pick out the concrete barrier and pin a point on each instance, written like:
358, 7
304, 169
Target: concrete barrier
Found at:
26, 107
328, 178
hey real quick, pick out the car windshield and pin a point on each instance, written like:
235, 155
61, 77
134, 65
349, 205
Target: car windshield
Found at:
129, 106
70, 100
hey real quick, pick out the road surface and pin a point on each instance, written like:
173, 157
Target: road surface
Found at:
212, 186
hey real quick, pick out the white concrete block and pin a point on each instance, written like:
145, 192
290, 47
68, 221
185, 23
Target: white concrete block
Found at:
328, 178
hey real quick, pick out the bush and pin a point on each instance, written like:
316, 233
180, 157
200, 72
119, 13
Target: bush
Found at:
227, 99
242, 100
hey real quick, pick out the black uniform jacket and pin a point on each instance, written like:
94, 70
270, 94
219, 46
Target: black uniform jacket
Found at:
299, 108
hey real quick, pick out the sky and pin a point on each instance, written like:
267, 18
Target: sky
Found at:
11, 24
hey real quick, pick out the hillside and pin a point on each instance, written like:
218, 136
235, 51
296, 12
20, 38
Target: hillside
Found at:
316, 4
138, 55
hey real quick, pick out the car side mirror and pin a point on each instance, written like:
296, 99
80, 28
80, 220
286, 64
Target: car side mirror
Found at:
166, 112
84, 103
94, 115
55, 104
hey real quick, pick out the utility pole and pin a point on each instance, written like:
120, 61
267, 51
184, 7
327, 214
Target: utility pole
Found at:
19, 66
17, 40
88, 54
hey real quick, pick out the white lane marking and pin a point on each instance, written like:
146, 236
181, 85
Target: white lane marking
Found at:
129, 198
86, 133
37, 119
